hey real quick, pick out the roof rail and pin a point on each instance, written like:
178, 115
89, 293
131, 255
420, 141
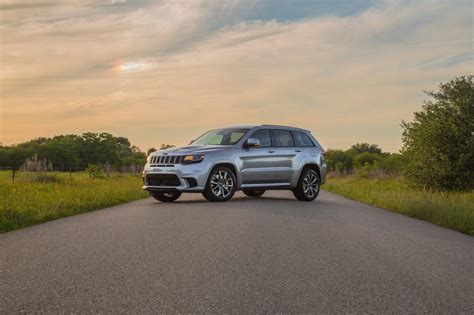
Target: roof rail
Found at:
283, 126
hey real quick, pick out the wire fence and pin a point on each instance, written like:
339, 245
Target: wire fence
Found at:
40, 166
10, 165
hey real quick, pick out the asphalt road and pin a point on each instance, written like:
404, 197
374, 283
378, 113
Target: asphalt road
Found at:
272, 254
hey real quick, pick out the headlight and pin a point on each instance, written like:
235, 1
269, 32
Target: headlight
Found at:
193, 158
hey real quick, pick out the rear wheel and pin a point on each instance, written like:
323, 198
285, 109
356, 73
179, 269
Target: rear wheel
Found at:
220, 185
166, 196
308, 185
254, 192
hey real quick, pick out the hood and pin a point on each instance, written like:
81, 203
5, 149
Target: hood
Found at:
192, 149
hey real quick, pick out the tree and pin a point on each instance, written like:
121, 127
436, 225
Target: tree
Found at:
391, 163
100, 148
438, 145
365, 147
150, 150
366, 159
75, 152
338, 160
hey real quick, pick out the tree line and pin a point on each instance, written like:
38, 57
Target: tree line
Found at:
74, 152
363, 156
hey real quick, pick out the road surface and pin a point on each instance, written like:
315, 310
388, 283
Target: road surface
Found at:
272, 254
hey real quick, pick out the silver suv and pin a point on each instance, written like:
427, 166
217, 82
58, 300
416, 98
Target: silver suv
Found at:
248, 158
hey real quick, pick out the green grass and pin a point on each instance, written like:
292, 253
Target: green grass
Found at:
35, 198
454, 210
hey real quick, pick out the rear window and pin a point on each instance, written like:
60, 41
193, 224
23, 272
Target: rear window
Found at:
302, 139
282, 138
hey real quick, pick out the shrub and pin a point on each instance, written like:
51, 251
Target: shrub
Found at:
366, 160
438, 145
391, 164
338, 160
95, 171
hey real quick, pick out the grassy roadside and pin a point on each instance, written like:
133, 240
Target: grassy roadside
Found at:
36, 198
453, 210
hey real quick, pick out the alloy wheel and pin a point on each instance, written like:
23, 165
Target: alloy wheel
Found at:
310, 185
222, 184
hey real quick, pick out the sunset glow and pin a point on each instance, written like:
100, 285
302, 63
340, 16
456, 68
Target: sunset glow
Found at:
132, 66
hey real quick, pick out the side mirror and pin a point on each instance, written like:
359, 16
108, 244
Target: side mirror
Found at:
252, 143
191, 142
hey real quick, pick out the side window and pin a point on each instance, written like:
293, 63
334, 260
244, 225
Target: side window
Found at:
282, 138
235, 136
264, 136
302, 139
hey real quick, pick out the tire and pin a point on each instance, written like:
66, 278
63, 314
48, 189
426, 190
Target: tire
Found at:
220, 185
254, 192
308, 185
166, 196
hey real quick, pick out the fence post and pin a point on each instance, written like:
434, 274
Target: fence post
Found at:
13, 174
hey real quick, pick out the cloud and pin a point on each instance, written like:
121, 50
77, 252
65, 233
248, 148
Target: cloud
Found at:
6, 6
181, 67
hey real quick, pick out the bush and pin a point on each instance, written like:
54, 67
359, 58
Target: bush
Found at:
339, 161
391, 164
366, 160
365, 147
438, 145
95, 171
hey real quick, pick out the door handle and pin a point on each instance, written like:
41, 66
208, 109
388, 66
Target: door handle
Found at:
271, 151
298, 151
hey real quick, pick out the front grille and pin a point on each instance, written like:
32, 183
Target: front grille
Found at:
170, 180
167, 159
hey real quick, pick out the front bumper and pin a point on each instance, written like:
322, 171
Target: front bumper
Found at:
192, 177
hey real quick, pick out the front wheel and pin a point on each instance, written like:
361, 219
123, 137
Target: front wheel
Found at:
166, 196
220, 185
308, 186
253, 192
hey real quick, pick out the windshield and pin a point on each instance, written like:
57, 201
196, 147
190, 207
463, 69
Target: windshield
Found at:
221, 136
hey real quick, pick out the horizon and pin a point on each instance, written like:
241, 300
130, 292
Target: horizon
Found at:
157, 147
165, 72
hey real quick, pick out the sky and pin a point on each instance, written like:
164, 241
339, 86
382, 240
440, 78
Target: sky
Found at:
167, 71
